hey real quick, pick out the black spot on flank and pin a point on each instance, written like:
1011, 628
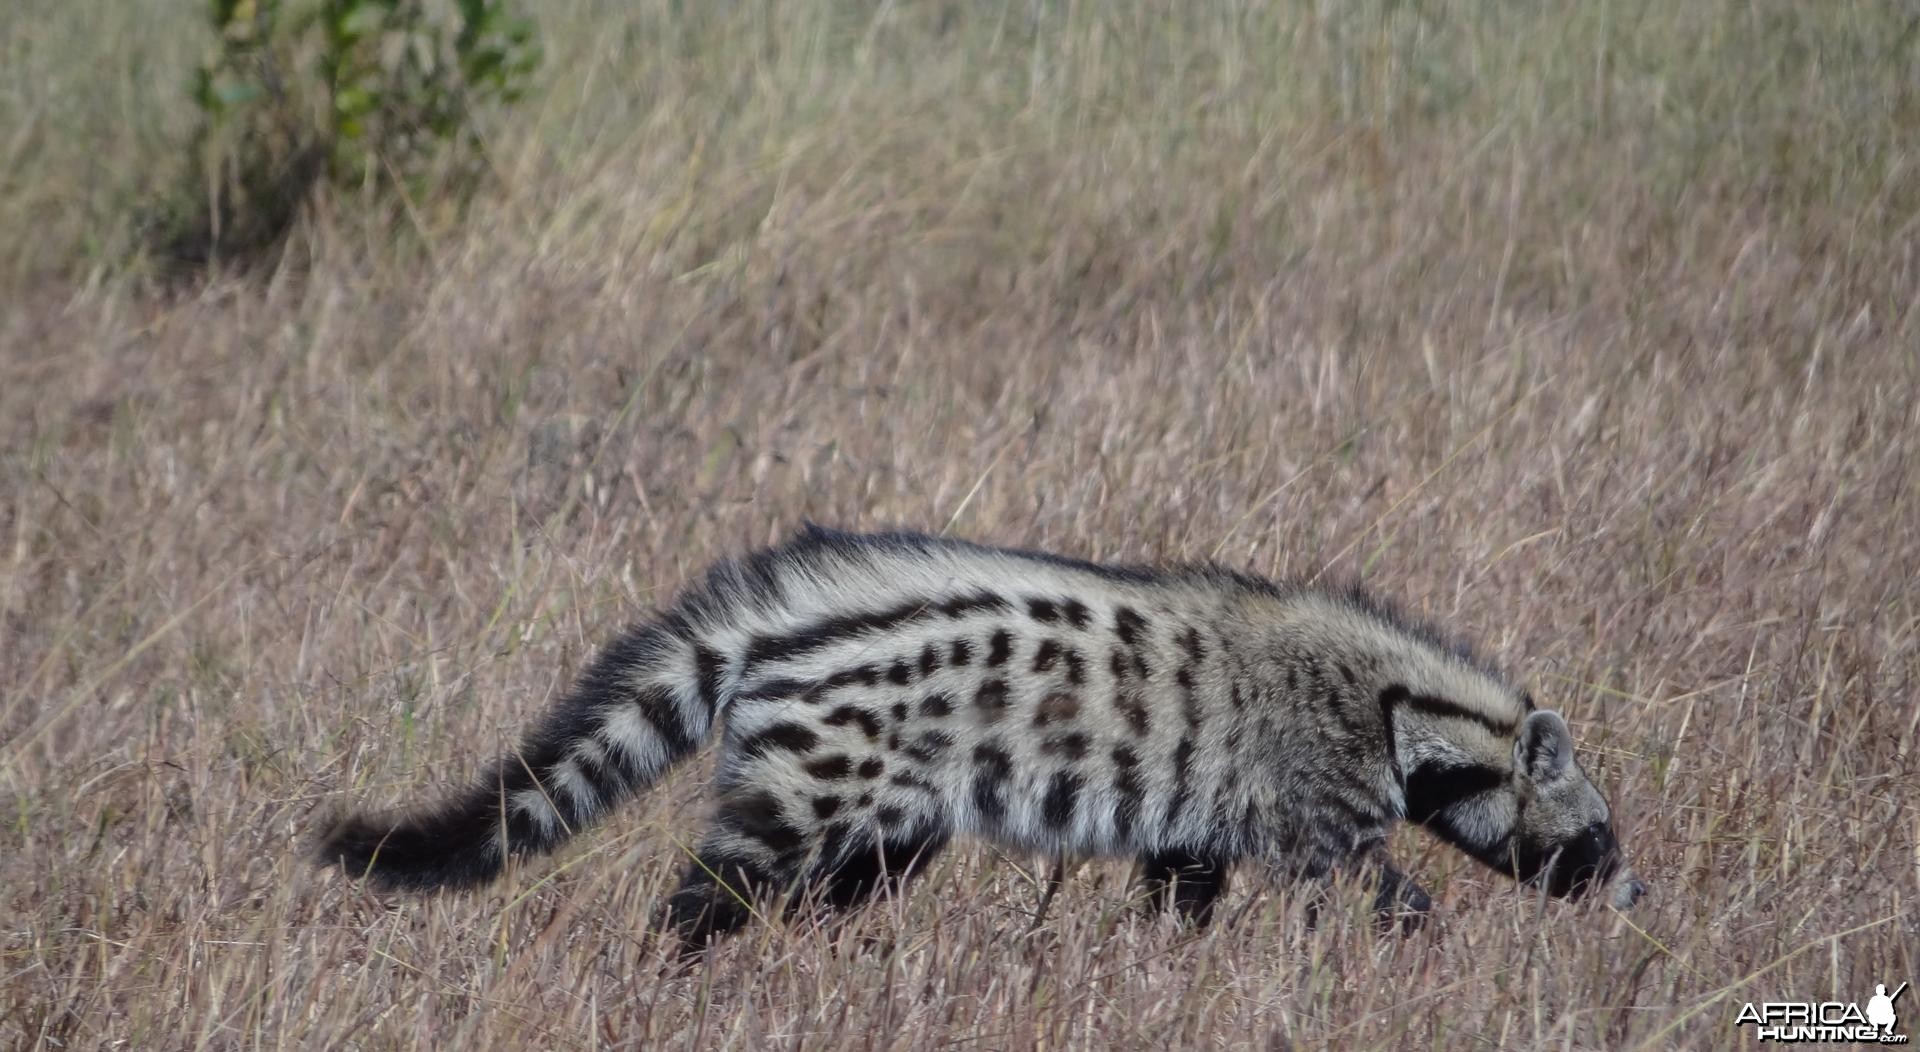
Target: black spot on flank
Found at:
1190, 642
1063, 792
830, 768
1293, 679
1043, 610
893, 741
999, 648
1077, 613
845, 714
1347, 674
899, 674
708, 667
864, 800
1076, 667
1044, 658
872, 767
987, 799
929, 660
1057, 707
1072, 746
758, 816
1134, 707
891, 817
1236, 695
1140, 666
825, 806
785, 735
993, 761
993, 699
1129, 626
992, 767
899, 711
936, 705
1189, 698
911, 781
865, 675
961, 606
962, 652
1433, 789
1117, 663
929, 747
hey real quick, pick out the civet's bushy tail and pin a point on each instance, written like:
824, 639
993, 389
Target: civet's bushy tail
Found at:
645, 703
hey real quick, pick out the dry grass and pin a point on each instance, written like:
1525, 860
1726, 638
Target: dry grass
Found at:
1588, 329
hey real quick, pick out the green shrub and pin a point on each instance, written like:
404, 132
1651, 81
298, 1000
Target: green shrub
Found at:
372, 96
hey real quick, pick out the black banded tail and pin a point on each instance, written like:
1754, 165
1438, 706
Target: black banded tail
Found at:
645, 703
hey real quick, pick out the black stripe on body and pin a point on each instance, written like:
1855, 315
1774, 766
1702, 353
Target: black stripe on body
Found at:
1442, 707
1076, 666
783, 736
1063, 792
831, 630
1432, 789
780, 690
1389, 698
1127, 784
1182, 782
992, 768
961, 606
708, 669
1189, 697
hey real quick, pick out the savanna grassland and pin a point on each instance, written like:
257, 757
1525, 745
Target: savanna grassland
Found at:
1586, 329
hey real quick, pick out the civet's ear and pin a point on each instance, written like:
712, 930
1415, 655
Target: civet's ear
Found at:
1545, 747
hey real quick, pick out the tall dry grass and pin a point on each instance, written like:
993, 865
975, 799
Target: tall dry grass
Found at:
1588, 329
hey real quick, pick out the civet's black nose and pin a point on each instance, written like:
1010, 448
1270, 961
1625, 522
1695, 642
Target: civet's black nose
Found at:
1636, 890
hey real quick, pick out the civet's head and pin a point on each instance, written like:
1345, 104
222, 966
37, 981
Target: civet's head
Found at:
1562, 830
1560, 836
1517, 800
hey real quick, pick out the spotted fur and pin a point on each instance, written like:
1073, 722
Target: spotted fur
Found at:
878, 695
